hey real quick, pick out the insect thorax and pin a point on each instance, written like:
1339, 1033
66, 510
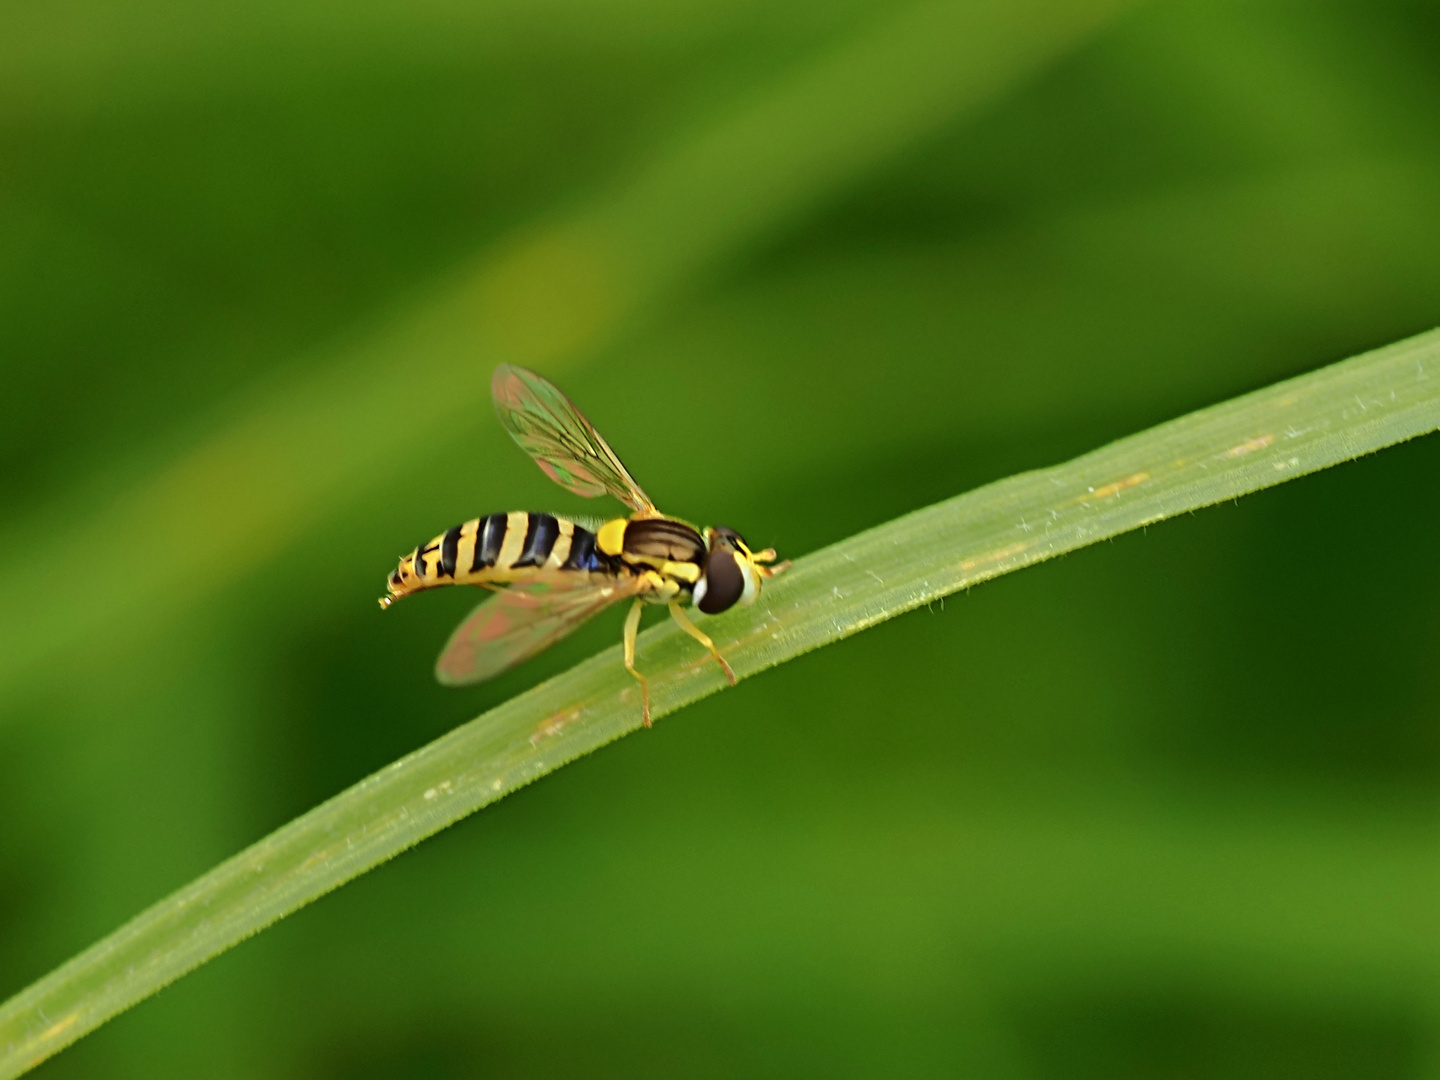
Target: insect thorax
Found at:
670, 548
663, 539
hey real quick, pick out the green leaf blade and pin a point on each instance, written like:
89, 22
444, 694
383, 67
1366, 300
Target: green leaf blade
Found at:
1253, 442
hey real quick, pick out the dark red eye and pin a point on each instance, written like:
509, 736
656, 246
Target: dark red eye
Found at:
724, 583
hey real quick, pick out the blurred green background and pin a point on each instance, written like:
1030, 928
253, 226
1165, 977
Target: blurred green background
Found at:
1163, 808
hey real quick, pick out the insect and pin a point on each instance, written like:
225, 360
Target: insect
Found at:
549, 573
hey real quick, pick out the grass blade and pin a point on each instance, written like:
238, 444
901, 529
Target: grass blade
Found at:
1252, 442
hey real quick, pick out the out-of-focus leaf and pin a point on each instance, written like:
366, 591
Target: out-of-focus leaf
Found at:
304, 448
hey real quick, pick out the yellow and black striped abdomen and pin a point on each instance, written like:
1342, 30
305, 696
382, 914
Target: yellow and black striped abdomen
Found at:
499, 548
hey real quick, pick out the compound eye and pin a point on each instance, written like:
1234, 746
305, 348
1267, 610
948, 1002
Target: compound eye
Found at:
723, 583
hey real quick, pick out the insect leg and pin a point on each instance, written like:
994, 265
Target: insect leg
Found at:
699, 635
759, 558
632, 627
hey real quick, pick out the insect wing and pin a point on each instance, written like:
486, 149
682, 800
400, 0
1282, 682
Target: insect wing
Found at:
518, 622
549, 428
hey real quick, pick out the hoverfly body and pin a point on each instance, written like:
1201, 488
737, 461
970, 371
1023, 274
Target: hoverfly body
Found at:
549, 574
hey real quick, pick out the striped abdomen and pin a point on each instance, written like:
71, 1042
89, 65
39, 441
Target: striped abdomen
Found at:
499, 548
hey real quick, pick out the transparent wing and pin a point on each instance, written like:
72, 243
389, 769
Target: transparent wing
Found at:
520, 621
549, 428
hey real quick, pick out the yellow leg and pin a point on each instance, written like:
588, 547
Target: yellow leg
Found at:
632, 627
758, 560
699, 635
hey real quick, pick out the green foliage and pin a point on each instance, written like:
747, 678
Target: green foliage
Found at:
1163, 805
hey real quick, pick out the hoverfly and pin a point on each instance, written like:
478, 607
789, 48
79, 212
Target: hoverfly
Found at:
549, 573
